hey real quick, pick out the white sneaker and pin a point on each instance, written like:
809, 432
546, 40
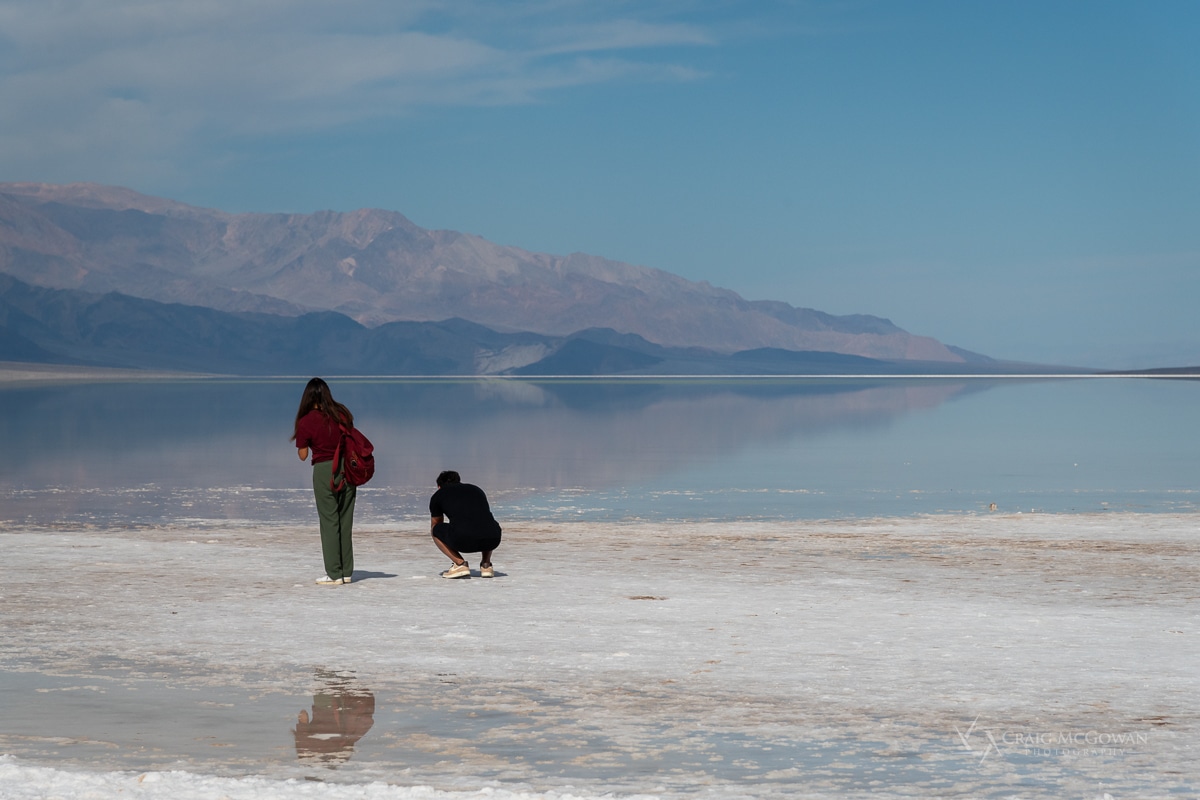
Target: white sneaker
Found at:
462, 570
325, 580
347, 579
486, 571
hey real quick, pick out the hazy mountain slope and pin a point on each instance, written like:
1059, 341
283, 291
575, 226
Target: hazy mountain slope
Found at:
377, 267
62, 325
69, 326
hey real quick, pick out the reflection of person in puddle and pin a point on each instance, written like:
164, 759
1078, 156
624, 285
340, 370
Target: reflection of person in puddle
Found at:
471, 529
340, 717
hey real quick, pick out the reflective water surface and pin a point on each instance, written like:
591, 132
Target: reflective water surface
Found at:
629, 694
342, 713
461, 734
195, 450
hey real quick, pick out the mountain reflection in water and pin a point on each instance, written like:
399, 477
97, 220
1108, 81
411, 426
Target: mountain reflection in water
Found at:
507, 434
193, 451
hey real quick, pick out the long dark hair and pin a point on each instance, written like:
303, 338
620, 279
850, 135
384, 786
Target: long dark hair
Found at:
317, 395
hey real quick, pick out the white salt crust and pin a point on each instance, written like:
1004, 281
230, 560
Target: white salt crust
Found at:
990, 655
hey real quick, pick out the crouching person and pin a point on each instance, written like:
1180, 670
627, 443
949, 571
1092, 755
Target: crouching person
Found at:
470, 529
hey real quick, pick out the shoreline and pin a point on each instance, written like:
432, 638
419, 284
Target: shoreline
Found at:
19, 373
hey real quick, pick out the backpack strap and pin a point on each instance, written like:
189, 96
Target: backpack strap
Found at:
334, 485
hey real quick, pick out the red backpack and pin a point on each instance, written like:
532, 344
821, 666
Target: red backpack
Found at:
354, 454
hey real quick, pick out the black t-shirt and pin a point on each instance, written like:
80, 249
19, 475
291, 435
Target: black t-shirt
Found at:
467, 507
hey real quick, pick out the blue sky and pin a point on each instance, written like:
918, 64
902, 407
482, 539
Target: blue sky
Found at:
1018, 178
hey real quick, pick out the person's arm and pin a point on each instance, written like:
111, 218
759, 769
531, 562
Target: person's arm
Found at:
302, 438
435, 521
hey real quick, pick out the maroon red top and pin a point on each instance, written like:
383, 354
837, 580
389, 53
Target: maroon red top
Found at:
319, 434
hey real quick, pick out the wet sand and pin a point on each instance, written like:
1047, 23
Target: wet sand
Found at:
990, 656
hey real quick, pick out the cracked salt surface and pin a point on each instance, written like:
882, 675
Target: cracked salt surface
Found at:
982, 656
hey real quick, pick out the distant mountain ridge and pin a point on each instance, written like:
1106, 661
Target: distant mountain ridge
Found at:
377, 267
114, 330
70, 327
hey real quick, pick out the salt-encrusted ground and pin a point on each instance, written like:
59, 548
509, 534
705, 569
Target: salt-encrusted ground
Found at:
986, 656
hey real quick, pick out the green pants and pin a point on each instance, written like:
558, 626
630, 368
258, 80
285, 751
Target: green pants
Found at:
336, 512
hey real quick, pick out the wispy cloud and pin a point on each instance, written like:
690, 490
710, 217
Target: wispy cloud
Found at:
622, 34
141, 82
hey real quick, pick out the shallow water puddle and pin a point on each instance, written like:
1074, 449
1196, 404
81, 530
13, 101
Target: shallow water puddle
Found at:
339, 730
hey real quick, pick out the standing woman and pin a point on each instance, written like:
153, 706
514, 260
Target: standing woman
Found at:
317, 430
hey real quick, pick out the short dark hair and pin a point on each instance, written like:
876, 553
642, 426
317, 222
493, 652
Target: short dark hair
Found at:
449, 476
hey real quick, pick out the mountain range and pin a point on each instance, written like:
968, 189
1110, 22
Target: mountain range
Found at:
68, 326
104, 275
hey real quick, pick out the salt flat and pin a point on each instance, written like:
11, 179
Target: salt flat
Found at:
991, 655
